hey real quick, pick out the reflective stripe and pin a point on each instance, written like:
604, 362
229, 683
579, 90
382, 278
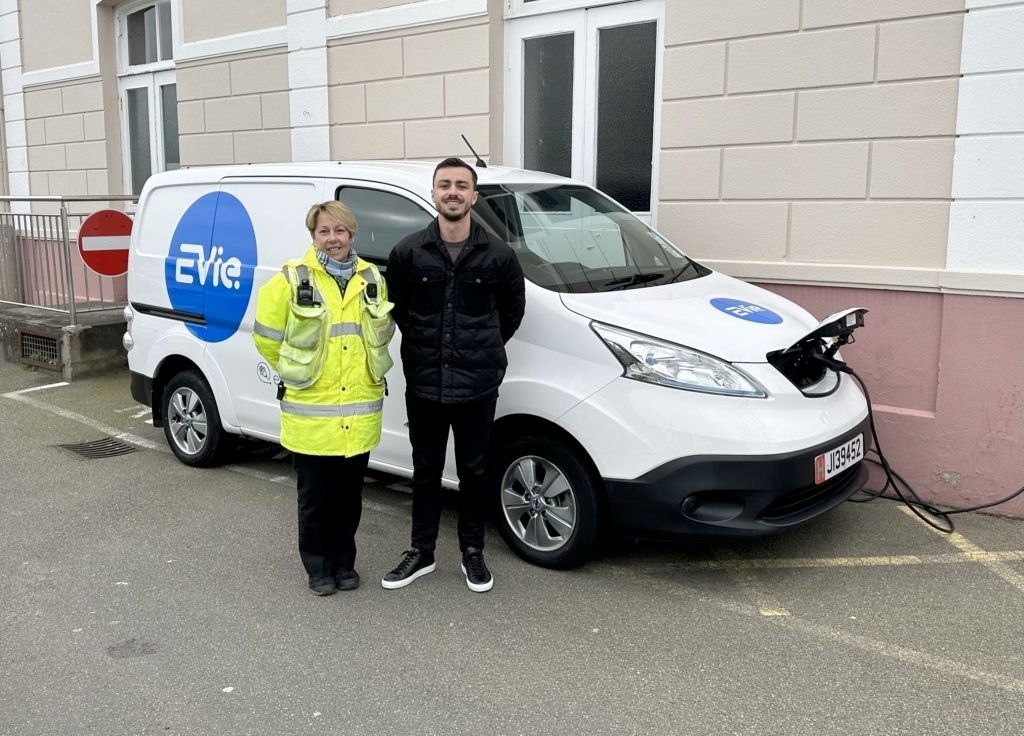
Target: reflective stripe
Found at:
322, 410
258, 328
346, 328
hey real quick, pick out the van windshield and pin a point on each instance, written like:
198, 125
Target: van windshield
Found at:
574, 239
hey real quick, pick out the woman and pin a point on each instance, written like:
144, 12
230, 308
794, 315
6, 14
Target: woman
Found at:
309, 326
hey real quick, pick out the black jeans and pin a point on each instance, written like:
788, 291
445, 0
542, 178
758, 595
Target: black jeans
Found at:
330, 505
471, 424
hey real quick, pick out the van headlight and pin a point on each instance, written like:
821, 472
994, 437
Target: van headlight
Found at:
651, 360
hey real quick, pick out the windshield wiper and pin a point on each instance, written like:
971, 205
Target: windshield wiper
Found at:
684, 269
633, 280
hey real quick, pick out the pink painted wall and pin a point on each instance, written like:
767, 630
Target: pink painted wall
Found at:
946, 377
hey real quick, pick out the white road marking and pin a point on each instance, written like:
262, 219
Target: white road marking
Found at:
135, 439
89, 422
13, 394
142, 413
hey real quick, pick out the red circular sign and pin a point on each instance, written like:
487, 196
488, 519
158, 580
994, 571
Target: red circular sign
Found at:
103, 242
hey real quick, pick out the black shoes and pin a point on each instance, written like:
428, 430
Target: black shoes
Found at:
344, 580
478, 577
414, 564
347, 580
323, 586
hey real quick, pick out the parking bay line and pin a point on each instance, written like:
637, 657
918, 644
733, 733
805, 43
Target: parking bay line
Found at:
949, 558
142, 442
992, 560
885, 649
12, 394
766, 604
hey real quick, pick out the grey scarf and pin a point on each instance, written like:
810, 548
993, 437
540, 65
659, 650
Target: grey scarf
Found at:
341, 271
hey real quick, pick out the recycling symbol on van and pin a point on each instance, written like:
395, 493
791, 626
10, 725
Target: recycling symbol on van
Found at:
209, 267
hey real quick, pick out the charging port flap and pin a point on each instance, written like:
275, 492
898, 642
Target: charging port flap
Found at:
837, 324
806, 362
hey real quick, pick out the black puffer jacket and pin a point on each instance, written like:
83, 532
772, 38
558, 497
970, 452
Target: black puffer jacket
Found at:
455, 318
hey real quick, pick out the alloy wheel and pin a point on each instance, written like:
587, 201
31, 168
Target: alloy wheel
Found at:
187, 420
538, 502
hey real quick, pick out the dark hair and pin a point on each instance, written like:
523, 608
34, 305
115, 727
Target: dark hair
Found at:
454, 162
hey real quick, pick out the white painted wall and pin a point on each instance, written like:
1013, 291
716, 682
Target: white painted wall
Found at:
986, 225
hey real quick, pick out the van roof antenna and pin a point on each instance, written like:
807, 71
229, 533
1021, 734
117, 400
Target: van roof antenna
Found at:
480, 164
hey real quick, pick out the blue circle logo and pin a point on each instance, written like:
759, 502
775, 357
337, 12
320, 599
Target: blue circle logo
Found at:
746, 310
209, 268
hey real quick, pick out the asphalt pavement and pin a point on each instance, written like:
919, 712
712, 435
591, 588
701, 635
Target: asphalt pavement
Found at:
140, 596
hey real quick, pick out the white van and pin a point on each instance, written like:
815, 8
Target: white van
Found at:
645, 394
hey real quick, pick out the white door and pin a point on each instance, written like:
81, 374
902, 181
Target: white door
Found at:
584, 90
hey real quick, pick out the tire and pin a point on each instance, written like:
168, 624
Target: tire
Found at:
191, 421
547, 503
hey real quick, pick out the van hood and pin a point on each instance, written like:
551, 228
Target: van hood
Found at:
715, 314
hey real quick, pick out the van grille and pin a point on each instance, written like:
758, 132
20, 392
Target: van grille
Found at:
802, 499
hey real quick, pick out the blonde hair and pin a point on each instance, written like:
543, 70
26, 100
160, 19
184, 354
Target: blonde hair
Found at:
334, 209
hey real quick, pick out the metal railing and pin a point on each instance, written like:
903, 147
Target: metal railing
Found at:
40, 265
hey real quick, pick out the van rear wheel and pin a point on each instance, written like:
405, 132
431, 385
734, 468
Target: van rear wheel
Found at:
191, 421
547, 499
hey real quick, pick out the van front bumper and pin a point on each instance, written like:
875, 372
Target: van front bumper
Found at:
730, 496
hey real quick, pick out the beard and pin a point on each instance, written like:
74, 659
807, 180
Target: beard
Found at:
453, 216
450, 215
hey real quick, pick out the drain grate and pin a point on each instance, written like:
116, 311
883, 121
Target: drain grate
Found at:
106, 447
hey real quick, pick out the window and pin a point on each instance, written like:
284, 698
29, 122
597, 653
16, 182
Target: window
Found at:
148, 93
382, 219
583, 91
570, 238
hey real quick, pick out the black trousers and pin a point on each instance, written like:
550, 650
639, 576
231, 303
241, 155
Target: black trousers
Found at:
330, 505
471, 424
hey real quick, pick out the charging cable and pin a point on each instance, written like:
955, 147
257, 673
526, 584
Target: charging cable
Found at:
901, 489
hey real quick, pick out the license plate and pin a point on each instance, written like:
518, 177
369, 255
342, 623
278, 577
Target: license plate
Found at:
836, 461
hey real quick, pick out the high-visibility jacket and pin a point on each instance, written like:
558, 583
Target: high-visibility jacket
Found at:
341, 413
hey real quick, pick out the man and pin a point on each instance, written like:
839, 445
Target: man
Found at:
459, 296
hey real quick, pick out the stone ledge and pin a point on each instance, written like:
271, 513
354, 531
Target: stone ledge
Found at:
91, 347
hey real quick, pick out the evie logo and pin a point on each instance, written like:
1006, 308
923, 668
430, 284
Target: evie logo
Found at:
746, 311
209, 266
224, 272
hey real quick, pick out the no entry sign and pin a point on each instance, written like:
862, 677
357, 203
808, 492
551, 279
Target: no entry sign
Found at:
103, 242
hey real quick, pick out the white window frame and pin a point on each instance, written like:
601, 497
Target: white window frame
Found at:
521, 8
585, 21
151, 76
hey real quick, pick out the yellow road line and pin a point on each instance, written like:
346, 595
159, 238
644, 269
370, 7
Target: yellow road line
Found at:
951, 558
766, 604
945, 666
992, 560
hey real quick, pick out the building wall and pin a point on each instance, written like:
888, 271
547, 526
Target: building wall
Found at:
202, 19
66, 137
234, 109
42, 21
946, 382
410, 94
811, 140
987, 218
347, 7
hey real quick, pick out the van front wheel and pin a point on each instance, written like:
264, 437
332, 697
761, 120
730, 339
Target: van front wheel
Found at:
548, 510
192, 422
